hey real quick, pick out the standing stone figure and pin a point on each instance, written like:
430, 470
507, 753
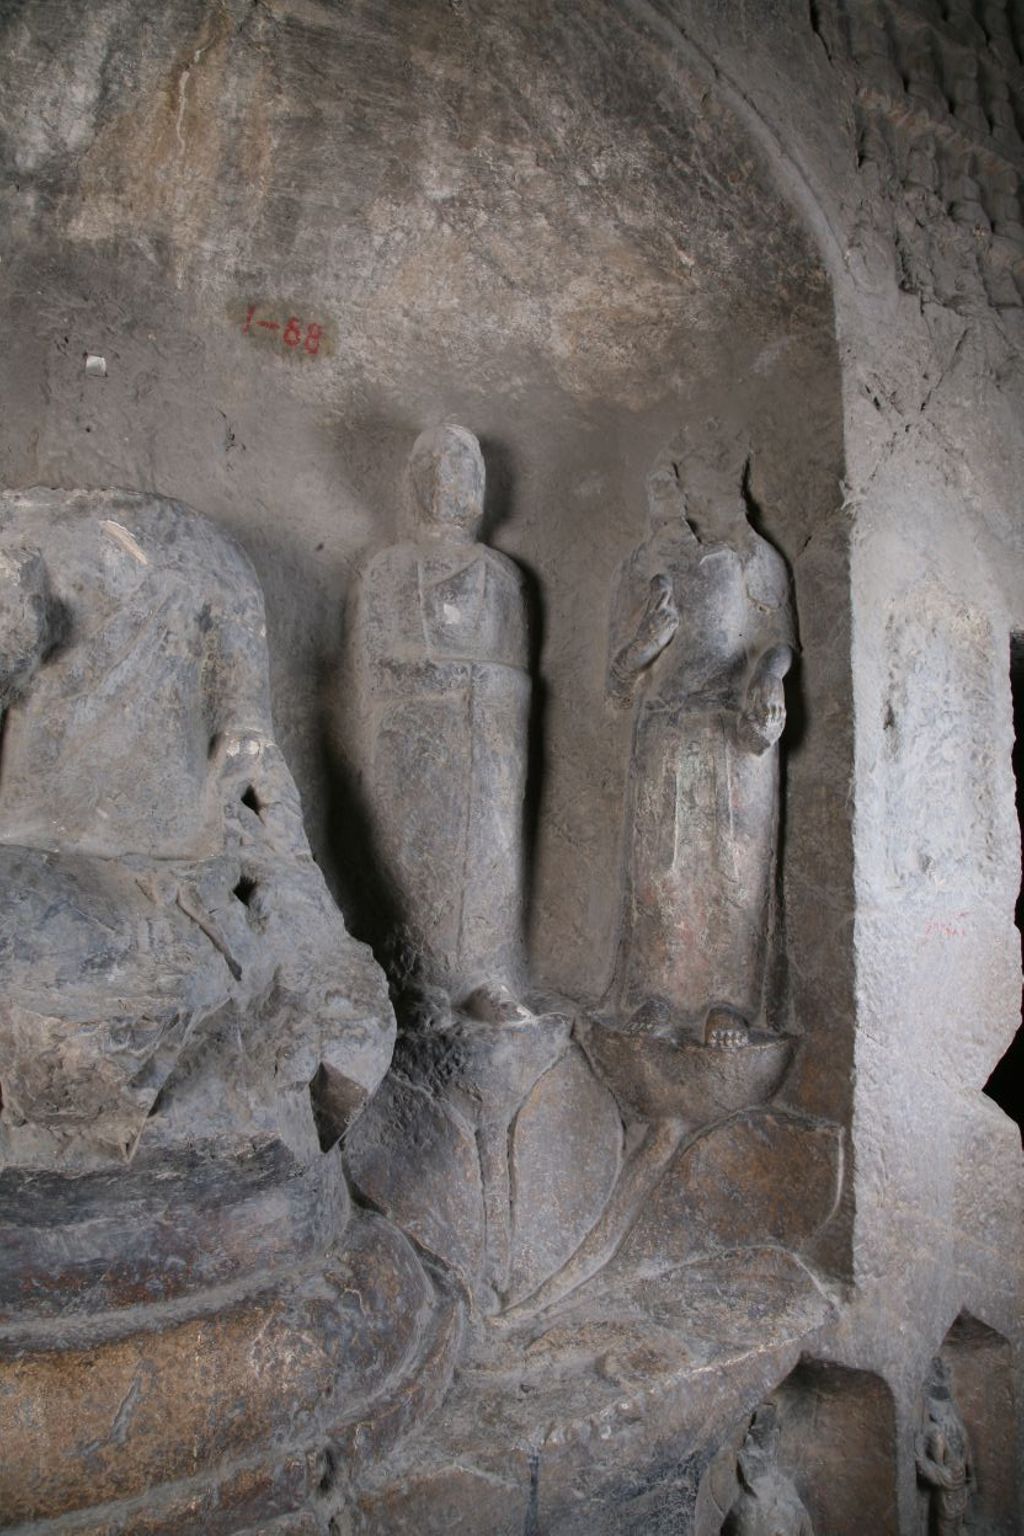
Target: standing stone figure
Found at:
442, 648
944, 1458
768, 1503
702, 637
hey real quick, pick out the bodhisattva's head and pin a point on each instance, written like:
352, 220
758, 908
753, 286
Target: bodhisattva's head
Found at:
446, 476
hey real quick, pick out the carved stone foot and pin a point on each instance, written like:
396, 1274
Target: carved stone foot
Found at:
725, 1030
653, 1017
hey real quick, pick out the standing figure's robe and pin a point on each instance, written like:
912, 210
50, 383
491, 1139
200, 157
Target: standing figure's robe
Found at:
442, 645
702, 809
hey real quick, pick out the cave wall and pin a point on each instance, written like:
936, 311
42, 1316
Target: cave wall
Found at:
915, 190
517, 222
574, 227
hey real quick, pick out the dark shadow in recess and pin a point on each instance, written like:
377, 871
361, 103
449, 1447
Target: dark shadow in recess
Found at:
1006, 1084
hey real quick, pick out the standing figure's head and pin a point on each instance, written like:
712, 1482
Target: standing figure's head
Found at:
446, 475
938, 1388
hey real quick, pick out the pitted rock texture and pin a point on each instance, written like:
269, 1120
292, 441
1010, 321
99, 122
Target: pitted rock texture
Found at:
539, 225
251, 250
157, 879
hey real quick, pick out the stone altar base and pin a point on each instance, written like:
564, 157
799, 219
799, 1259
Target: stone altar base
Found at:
196, 1343
602, 1415
597, 1409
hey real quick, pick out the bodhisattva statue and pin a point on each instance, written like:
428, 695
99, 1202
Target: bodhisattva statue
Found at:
768, 1503
442, 648
702, 637
155, 878
944, 1457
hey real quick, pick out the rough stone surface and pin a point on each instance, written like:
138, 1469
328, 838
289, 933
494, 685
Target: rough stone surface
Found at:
702, 632
173, 1223
760, 1177
441, 653
767, 1503
188, 1395
564, 1157
156, 873
250, 251
416, 1159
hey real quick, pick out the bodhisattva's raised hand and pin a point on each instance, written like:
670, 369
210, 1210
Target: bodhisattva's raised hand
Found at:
656, 627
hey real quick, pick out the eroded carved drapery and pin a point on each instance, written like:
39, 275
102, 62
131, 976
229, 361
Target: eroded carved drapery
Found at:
702, 637
156, 870
186, 1030
441, 646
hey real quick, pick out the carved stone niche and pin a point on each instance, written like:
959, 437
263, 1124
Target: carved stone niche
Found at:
824, 1461
631, 1218
194, 1322
967, 1446
526, 1160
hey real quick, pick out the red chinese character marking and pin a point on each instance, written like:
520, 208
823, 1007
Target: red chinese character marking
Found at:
292, 335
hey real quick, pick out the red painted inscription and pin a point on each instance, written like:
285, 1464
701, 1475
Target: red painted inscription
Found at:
294, 333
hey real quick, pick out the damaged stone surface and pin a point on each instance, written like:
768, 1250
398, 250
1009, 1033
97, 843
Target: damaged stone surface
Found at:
703, 632
186, 1030
602, 238
156, 872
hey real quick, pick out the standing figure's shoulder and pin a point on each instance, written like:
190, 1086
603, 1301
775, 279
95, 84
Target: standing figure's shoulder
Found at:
502, 567
767, 574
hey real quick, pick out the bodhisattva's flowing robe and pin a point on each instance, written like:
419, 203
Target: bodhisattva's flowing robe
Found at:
702, 813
